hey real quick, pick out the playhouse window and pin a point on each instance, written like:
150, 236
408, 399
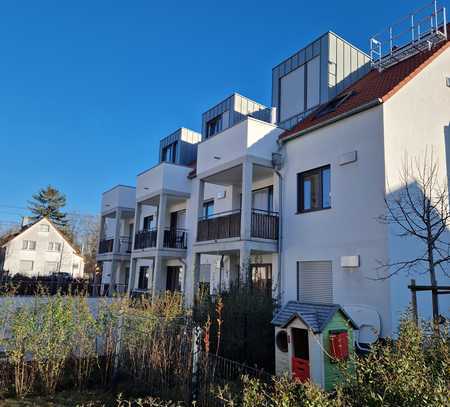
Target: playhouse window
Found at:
282, 341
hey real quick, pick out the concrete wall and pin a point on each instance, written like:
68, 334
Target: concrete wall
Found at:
166, 176
250, 136
120, 196
415, 120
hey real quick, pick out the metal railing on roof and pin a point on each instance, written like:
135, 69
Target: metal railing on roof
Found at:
417, 32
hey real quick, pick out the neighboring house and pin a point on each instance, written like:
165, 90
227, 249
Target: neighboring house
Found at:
40, 249
287, 198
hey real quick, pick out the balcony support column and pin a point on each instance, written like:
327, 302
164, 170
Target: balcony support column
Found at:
132, 277
157, 285
244, 265
116, 243
246, 210
192, 278
162, 208
137, 221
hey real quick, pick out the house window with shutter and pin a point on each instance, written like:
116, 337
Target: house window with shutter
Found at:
315, 282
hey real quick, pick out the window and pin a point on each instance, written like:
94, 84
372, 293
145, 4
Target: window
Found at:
26, 265
214, 126
313, 190
51, 266
169, 153
143, 278
262, 277
54, 247
28, 245
148, 220
333, 104
44, 228
262, 199
208, 209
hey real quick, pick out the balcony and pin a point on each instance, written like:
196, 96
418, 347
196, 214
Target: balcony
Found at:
265, 224
125, 245
222, 225
172, 239
145, 239
175, 239
164, 176
227, 225
106, 246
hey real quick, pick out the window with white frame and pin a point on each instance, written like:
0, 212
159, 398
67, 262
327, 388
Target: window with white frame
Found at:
28, 245
54, 247
44, 228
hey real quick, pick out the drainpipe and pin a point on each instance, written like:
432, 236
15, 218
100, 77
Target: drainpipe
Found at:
277, 168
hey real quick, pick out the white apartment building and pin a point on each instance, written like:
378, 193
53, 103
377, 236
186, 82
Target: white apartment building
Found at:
288, 197
39, 249
116, 237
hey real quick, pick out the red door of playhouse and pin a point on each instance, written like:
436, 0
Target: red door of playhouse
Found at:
300, 369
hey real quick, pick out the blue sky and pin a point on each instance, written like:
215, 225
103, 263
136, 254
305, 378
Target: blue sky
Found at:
88, 88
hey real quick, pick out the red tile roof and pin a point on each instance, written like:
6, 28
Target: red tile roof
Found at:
374, 88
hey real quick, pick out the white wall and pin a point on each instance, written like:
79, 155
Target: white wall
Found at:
250, 136
163, 176
415, 119
118, 197
41, 255
350, 226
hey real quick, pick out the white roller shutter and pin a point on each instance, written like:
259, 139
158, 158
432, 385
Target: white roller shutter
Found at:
314, 282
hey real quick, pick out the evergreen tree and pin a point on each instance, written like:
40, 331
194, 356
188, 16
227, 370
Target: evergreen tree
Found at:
48, 202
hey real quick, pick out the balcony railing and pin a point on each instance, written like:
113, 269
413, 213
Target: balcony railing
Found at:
106, 246
175, 239
145, 239
125, 244
265, 224
219, 226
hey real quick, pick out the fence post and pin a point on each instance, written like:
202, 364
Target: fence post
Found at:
196, 338
414, 301
118, 345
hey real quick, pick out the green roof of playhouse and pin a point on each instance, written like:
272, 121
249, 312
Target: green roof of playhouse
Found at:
314, 316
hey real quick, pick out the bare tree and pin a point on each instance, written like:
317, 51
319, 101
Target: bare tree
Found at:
420, 210
85, 231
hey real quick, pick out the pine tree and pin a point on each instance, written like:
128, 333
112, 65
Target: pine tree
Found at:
48, 203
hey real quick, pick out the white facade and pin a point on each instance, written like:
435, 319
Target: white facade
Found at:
116, 236
41, 250
233, 215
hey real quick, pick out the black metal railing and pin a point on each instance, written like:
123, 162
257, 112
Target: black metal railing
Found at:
125, 244
265, 224
175, 239
221, 225
145, 239
106, 246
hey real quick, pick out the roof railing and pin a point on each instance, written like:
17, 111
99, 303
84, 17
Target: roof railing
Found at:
419, 31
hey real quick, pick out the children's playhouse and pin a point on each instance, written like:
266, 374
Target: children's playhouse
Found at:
310, 340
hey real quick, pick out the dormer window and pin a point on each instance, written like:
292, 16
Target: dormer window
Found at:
214, 126
169, 153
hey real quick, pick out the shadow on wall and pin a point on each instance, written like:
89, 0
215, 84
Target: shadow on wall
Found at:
407, 221
447, 151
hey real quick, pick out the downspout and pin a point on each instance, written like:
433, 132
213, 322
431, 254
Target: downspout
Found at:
280, 225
